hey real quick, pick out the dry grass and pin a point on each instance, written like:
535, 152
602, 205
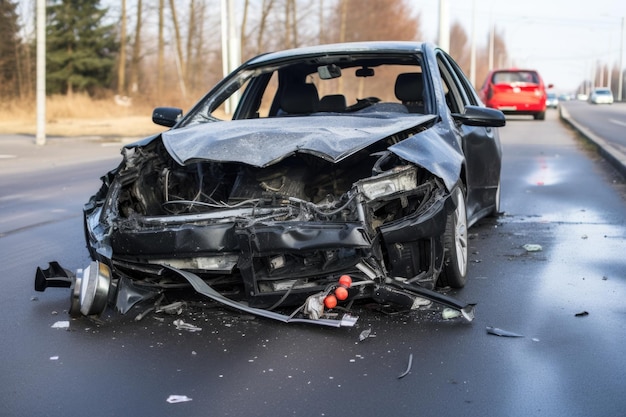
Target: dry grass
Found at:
79, 115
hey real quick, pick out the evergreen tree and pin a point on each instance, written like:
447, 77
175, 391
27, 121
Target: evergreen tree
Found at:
80, 47
9, 50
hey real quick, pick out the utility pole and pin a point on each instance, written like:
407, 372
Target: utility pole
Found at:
40, 138
444, 25
621, 64
231, 47
473, 47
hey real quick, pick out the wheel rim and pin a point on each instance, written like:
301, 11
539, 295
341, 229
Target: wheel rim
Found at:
497, 210
460, 233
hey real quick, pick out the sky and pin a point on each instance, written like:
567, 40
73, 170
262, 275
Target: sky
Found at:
562, 39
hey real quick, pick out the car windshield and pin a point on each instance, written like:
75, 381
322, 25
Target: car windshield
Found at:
508, 77
312, 85
603, 92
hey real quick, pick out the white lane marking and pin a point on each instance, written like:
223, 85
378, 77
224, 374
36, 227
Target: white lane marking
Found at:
617, 122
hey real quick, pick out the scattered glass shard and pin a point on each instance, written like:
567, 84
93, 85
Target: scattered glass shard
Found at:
504, 333
173, 399
531, 247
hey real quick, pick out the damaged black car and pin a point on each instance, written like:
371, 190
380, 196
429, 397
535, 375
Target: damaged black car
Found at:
305, 180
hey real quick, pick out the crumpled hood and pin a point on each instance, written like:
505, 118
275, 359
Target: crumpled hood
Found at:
262, 142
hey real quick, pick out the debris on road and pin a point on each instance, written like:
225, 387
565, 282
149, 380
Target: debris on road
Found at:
365, 334
63, 324
408, 368
532, 247
504, 333
174, 399
450, 313
181, 325
582, 314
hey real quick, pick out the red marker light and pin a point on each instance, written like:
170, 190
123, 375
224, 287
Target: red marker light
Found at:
345, 281
341, 293
330, 301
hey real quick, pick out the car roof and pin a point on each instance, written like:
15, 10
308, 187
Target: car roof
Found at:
346, 48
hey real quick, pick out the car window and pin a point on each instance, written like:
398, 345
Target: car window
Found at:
455, 97
508, 77
350, 87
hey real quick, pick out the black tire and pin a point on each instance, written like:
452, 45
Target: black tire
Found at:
540, 116
455, 240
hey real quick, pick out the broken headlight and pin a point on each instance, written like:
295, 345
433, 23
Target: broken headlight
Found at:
397, 180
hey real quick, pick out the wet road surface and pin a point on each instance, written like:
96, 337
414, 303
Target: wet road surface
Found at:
556, 194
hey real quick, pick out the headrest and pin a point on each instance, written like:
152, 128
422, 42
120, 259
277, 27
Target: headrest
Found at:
409, 87
333, 103
299, 99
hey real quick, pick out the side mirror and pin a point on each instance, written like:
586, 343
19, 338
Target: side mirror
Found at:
480, 116
166, 116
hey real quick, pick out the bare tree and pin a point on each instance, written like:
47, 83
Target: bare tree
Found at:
459, 46
266, 9
121, 64
365, 20
136, 54
161, 49
180, 63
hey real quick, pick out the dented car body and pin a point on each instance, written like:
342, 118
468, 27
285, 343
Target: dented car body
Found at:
367, 160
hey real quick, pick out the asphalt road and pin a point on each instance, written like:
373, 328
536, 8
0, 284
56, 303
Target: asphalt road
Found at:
556, 193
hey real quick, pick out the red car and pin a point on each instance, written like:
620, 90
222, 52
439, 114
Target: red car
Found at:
515, 91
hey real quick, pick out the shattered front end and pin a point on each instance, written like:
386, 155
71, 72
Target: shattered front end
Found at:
262, 239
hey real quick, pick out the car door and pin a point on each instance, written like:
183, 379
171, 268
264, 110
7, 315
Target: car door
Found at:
481, 145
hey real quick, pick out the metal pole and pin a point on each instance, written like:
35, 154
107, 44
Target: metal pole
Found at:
225, 46
444, 25
621, 64
40, 138
473, 47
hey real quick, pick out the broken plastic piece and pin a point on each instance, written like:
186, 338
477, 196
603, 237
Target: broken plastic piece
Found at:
175, 308
64, 324
181, 325
408, 368
54, 276
173, 399
450, 313
365, 334
205, 289
504, 333
467, 310
531, 247
582, 314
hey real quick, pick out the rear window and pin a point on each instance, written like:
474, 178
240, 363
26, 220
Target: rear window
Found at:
509, 77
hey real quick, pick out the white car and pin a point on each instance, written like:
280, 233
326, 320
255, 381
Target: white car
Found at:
601, 96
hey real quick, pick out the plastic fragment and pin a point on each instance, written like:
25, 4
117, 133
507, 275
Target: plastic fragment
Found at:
531, 247
365, 334
504, 333
450, 313
582, 314
408, 368
181, 325
174, 399
63, 324
174, 309
143, 314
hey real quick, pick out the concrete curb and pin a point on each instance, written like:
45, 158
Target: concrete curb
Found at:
605, 149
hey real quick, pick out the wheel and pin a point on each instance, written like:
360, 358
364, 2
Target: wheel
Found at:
454, 270
540, 116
